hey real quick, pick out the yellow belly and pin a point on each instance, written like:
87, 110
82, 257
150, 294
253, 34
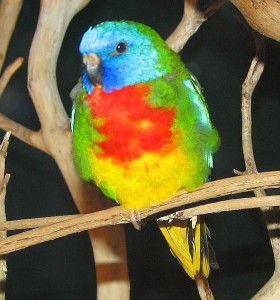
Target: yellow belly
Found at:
150, 179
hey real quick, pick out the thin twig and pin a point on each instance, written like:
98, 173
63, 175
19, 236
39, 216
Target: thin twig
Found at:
271, 289
9, 72
4, 179
193, 17
9, 12
30, 137
203, 287
3, 152
250, 82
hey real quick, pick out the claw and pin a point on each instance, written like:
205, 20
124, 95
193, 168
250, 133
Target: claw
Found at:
193, 221
135, 219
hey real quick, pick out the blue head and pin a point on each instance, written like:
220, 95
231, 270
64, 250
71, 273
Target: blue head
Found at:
120, 53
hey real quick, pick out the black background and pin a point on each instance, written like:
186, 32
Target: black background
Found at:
219, 54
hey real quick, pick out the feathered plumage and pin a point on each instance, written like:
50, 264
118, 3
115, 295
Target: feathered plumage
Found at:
141, 129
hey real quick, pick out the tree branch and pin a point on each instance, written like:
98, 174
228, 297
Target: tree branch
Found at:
193, 17
108, 245
271, 289
54, 227
9, 72
111, 219
54, 137
30, 137
26, 135
262, 16
4, 179
9, 11
250, 82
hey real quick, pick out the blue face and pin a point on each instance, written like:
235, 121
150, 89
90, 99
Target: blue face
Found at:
128, 55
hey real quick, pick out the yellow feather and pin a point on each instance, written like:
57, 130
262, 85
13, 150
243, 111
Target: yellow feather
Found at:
186, 247
151, 179
154, 178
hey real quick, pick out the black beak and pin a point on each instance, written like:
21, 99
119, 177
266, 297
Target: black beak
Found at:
92, 67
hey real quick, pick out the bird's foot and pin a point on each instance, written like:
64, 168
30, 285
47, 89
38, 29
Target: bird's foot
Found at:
135, 219
171, 217
193, 221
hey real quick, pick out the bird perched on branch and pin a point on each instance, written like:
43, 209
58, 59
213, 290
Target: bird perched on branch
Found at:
141, 129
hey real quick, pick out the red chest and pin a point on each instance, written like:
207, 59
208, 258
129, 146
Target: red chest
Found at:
129, 124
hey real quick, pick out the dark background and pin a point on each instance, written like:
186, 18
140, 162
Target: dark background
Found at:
219, 54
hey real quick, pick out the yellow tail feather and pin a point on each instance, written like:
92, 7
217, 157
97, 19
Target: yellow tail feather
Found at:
189, 245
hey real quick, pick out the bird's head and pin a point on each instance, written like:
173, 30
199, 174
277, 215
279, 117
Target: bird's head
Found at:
120, 53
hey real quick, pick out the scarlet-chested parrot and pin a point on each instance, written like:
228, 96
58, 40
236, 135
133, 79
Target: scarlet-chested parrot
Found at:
141, 129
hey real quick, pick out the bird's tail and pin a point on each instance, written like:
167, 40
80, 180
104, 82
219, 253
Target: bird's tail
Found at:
189, 243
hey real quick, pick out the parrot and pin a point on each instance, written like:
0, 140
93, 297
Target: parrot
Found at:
141, 130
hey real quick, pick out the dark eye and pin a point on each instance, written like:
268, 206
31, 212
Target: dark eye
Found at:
121, 47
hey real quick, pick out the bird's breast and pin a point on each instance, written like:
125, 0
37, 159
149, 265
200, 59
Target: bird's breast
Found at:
129, 124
